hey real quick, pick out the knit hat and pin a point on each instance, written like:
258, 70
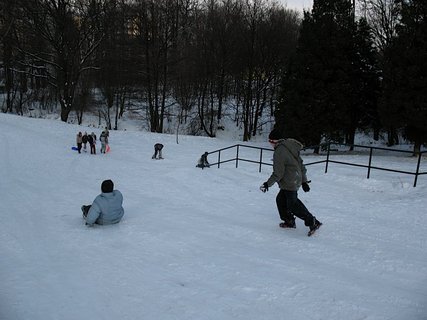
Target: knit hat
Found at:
107, 186
275, 134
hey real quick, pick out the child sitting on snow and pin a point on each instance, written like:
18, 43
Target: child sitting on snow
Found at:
203, 161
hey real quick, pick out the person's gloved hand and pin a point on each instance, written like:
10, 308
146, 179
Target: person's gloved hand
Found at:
305, 187
264, 187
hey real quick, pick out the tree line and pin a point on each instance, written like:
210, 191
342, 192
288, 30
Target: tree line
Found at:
344, 66
358, 70
181, 59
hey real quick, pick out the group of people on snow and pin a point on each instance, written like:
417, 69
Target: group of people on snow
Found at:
289, 173
83, 139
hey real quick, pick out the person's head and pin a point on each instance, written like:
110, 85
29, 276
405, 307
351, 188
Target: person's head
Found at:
107, 186
274, 136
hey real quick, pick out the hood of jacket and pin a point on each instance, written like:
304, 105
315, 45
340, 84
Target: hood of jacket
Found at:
288, 169
294, 146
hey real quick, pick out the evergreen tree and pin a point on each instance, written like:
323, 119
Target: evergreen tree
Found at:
302, 90
325, 91
404, 101
365, 86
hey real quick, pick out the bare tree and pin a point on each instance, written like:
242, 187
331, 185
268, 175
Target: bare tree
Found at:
72, 38
7, 25
156, 33
383, 17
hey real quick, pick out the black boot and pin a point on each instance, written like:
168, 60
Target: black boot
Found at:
315, 224
288, 224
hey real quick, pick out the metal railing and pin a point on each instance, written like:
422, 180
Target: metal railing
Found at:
327, 161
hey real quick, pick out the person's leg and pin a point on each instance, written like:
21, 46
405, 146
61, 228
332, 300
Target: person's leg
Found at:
85, 210
299, 209
283, 208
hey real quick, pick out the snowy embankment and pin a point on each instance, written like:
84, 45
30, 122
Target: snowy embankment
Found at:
200, 244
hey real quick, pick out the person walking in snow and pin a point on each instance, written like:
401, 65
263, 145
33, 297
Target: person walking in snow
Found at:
157, 151
79, 139
92, 142
107, 208
290, 174
84, 141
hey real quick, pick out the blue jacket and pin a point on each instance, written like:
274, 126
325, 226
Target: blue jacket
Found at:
106, 208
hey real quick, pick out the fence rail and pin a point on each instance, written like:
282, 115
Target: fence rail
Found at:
327, 161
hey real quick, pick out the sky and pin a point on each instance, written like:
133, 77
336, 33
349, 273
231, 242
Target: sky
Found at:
299, 5
201, 244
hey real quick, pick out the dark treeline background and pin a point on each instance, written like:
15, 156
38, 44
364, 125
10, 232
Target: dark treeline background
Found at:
341, 67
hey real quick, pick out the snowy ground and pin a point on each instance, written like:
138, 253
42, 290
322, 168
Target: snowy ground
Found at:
200, 244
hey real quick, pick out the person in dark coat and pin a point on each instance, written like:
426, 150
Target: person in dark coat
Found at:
203, 161
92, 142
290, 174
157, 151
84, 141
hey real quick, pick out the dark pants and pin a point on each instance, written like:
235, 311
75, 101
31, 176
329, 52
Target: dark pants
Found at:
157, 151
289, 205
79, 147
92, 148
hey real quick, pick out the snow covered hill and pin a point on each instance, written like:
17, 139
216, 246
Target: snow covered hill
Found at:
199, 244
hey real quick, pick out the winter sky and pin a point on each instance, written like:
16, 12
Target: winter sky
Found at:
299, 5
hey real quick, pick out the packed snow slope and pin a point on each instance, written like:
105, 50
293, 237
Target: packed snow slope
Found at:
200, 244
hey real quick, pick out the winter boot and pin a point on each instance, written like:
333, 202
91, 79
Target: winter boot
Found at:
288, 224
314, 226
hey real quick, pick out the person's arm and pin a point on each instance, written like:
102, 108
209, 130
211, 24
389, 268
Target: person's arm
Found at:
278, 166
303, 170
93, 214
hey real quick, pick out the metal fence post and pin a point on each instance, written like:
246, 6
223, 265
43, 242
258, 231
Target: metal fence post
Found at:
327, 157
260, 160
370, 162
237, 156
418, 169
219, 158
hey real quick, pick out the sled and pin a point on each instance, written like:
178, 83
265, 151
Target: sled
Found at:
75, 148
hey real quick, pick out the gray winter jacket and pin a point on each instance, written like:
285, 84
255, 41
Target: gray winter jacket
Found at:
288, 168
106, 208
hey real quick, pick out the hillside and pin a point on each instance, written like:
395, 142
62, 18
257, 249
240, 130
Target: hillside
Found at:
199, 244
